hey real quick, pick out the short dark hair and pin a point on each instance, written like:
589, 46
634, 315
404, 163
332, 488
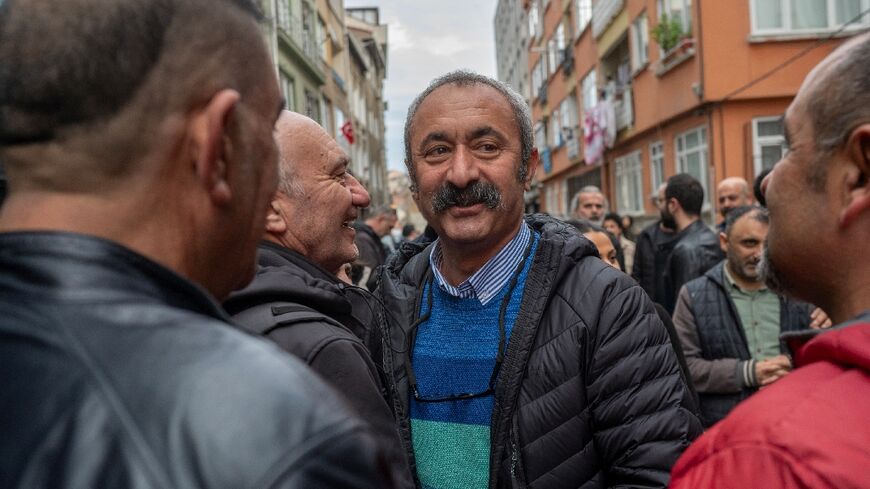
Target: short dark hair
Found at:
756, 187
463, 78
840, 102
688, 192
755, 212
66, 69
612, 216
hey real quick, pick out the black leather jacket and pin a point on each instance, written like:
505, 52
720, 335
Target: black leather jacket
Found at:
116, 372
590, 393
696, 250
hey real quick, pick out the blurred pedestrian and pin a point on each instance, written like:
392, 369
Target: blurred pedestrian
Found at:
613, 224
695, 248
296, 298
731, 193
137, 142
652, 248
590, 204
504, 325
810, 429
372, 252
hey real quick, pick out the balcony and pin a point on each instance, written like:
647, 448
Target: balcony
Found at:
623, 109
301, 35
603, 13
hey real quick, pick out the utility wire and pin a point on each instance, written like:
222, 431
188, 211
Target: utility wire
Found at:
797, 56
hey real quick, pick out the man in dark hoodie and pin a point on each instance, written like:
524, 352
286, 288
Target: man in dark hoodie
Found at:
297, 299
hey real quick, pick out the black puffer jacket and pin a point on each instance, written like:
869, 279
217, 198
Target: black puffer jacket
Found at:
590, 394
116, 372
320, 333
696, 251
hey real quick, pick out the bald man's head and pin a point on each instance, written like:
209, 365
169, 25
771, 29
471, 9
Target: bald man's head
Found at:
733, 192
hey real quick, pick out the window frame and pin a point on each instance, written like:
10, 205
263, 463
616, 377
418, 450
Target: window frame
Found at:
628, 173
657, 164
785, 9
639, 41
703, 148
758, 141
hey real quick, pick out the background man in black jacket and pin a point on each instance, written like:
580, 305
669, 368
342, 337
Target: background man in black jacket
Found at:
729, 323
695, 246
372, 252
296, 299
510, 331
137, 141
653, 246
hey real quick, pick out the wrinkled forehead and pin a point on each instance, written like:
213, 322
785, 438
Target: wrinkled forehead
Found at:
474, 100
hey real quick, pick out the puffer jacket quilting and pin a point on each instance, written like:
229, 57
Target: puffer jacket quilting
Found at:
590, 394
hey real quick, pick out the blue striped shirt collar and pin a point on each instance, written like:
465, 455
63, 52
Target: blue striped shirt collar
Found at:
485, 283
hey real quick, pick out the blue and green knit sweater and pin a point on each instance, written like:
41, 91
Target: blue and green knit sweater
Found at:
455, 353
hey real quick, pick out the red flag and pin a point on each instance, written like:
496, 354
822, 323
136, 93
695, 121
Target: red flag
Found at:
347, 130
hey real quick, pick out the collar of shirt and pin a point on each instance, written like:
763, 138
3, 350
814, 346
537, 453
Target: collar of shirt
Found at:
730, 280
485, 283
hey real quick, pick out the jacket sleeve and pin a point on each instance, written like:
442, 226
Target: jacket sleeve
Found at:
347, 456
346, 366
684, 266
641, 407
713, 376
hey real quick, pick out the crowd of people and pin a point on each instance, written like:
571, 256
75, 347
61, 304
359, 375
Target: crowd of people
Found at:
191, 295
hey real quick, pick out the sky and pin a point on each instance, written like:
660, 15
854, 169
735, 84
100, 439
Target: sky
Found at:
425, 39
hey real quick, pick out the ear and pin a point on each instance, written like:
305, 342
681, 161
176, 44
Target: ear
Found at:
209, 134
534, 159
723, 242
857, 176
275, 223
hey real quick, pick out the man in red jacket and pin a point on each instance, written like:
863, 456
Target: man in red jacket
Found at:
811, 429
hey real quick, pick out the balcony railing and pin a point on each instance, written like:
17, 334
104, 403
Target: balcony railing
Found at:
603, 13
304, 38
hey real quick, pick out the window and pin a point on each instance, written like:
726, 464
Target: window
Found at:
681, 9
629, 183
540, 136
560, 40
778, 16
288, 91
322, 38
639, 42
768, 142
556, 130
584, 14
534, 20
312, 105
569, 118
657, 164
284, 15
551, 56
590, 91
692, 155
538, 77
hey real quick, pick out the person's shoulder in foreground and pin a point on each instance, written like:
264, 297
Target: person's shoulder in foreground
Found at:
810, 429
807, 430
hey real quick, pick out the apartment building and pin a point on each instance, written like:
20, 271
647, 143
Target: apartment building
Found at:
626, 93
511, 45
331, 63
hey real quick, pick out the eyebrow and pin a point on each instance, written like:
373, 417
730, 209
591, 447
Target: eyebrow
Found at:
281, 104
433, 136
785, 131
486, 131
341, 164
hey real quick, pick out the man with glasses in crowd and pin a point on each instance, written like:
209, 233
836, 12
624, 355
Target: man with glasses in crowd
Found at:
514, 355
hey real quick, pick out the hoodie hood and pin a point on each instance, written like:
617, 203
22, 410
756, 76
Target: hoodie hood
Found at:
847, 344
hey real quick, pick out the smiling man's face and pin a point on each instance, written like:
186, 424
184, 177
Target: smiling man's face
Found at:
465, 145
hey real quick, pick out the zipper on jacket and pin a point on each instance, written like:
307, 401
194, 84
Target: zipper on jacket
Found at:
517, 476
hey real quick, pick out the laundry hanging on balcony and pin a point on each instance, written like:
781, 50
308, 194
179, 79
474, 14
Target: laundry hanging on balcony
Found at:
599, 131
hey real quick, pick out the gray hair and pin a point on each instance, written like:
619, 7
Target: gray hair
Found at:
462, 78
288, 182
841, 101
589, 189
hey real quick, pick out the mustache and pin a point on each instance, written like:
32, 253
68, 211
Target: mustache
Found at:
449, 195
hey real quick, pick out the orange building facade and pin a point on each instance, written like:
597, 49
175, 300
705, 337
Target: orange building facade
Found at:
667, 86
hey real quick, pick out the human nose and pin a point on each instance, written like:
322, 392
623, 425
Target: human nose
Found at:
463, 169
359, 195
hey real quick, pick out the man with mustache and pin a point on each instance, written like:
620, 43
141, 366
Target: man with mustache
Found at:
810, 429
729, 323
297, 299
515, 356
